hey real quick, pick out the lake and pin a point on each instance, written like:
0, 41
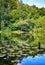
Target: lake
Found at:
39, 59
27, 56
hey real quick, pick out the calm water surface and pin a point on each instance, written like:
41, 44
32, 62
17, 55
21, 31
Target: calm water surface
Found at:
33, 60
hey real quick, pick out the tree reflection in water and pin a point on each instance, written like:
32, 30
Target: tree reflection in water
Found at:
30, 60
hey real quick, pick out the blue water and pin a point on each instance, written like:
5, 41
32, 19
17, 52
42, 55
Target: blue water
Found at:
30, 60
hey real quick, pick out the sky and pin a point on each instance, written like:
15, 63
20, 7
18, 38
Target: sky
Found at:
38, 3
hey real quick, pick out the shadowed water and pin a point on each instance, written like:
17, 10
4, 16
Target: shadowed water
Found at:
31, 56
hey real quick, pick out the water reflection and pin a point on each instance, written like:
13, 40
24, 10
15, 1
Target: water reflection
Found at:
31, 60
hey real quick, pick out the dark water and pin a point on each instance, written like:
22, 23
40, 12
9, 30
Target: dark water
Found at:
39, 59
25, 57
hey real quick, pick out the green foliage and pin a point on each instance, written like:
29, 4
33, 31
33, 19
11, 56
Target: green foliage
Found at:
21, 26
21, 17
14, 15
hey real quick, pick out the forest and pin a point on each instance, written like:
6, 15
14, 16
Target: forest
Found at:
21, 27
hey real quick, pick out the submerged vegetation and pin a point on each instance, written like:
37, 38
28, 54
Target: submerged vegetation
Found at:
21, 28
